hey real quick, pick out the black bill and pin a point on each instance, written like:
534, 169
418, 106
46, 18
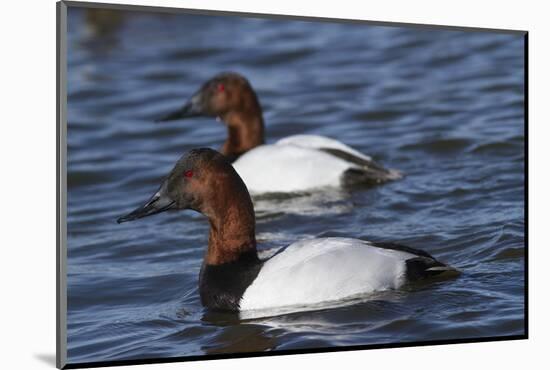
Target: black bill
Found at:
156, 204
193, 108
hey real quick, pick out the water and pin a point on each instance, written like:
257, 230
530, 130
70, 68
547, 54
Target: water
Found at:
445, 107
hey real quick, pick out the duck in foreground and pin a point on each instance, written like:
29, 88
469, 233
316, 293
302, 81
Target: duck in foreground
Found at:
306, 272
293, 164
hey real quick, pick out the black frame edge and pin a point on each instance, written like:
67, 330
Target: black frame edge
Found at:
194, 11
61, 306
146, 361
57, 200
526, 180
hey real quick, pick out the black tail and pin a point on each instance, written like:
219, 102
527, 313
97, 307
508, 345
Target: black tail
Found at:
419, 268
423, 266
367, 172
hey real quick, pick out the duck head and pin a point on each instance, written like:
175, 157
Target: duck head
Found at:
198, 181
229, 97
203, 180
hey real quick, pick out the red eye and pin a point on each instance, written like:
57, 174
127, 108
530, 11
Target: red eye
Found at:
188, 174
221, 88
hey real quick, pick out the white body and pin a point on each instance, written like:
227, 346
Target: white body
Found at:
320, 270
294, 164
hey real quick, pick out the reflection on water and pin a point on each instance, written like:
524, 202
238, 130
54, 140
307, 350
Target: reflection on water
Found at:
242, 338
445, 107
324, 202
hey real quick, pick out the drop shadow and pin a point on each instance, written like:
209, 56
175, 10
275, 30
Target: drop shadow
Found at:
47, 358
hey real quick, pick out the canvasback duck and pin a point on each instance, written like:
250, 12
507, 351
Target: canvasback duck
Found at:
293, 164
307, 272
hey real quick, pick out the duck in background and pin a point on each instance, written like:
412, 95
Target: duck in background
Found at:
296, 163
307, 272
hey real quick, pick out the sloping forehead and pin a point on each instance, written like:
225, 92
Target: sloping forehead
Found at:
198, 158
230, 78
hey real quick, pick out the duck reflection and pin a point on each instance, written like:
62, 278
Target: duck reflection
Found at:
103, 22
102, 29
239, 336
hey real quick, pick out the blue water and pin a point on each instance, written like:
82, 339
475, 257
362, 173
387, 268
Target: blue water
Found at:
444, 107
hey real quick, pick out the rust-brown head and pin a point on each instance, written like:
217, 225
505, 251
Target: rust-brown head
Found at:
225, 94
230, 97
202, 180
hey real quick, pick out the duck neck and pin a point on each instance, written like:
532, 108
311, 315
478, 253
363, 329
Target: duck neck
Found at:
232, 231
245, 131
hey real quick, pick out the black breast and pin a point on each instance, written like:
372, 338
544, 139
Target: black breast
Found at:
222, 286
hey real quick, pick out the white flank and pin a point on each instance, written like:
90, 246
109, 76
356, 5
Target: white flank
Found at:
288, 168
321, 270
320, 142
